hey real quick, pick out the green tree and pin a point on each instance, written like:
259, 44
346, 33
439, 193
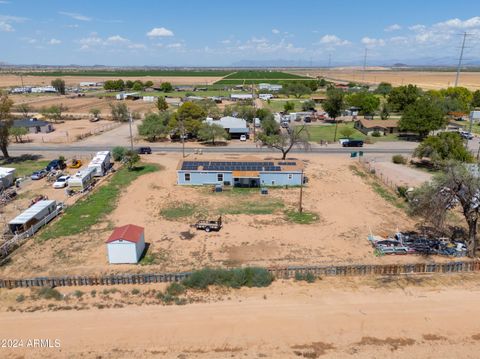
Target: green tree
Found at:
263, 114
296, 88
148, 83
209, 132
54, 112
129, 84
423, 116
119, 112
191, 116
59, 85
18, 132
270, 126
455, 188
347, 132
476, 99
384, 88
24, 108
284, 141
118, 152
166, 87
247, 112
333, 105
461, 95
131, 158
6, 121
161, 104
95, 112
308, 105
152, 127
443, 147
137, 86
288, 106
401, 97
210, 107
385, 111
366, 101
322, 82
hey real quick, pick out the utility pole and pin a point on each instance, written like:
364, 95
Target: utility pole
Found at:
182, 131
130, 120
364, 64
254, 116
300, 207
460, 59
329, 61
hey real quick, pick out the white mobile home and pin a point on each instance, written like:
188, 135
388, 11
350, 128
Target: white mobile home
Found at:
101, 163
82, 179
34, 217
7, 177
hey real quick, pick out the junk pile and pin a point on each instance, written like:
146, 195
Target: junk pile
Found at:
415, 243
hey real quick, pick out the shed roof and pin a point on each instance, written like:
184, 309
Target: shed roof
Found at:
31, 212
229, 122
29, 122
129, 232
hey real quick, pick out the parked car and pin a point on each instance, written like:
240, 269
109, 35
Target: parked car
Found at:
56, 165
145, 150
307, 119
466, 135
38, 174
353, 143
61, 182
284, 124
243, 138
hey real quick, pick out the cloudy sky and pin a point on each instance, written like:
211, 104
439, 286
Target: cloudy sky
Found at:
220, 33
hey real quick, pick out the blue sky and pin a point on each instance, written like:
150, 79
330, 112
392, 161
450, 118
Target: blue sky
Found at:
220, 33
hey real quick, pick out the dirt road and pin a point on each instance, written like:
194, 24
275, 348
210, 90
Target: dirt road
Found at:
287, 320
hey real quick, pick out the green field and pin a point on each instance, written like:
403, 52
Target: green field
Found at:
326, 133
262, 75
277, 105
134, 73
24, 167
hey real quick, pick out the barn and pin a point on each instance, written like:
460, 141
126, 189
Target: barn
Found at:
126, 244
246, 172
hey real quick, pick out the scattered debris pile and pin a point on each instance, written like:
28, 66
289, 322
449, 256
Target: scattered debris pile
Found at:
415, 243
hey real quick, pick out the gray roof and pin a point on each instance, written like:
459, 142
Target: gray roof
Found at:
29, 122
238, 130
229, 122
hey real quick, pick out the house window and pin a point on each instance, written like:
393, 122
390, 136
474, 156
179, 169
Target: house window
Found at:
273, 182
290, 176
220, 177
187, 177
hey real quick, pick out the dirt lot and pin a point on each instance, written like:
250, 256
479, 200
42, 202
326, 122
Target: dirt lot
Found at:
412, 317
14, 80
424, 79
347, 207
80, 106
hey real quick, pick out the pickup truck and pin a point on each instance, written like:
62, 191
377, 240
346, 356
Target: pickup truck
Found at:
209, 225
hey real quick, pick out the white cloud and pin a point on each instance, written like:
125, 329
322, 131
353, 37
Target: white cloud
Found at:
456, 23
275, 31
333, 40
54, 42
72, 26
175, 45
368, 41
7, 20
417, 27
117, 38
394, 27
111, 43
6, 27
4, 2
159, 32
75, 16
226, 42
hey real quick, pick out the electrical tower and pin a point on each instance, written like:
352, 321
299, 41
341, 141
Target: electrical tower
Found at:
364, 64
460, 59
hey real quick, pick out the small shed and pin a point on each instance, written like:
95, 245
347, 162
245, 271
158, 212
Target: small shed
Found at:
126, 244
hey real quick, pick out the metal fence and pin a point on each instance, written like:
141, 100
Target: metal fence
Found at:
278, 272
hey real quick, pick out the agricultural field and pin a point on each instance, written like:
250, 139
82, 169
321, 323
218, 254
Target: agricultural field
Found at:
133, 73
256, 77
258, 230
427, 80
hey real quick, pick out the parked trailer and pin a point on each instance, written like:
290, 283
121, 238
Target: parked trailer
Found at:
7, 177
32, 216
82, 179
101, 163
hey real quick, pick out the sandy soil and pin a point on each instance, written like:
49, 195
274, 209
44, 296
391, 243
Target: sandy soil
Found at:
347, 206
15, 80
423, 79
333, 318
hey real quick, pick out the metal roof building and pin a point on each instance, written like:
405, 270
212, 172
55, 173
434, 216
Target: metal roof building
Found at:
126, 244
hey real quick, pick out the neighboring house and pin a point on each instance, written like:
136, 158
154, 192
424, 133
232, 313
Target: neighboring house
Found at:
7, 177
126, 244
45, 89
319, 98
234, 126
87, 84
241, 96
247, 172
269, 87
384, 127
475, 116
34, 125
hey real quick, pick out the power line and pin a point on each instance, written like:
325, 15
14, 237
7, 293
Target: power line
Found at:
460, 59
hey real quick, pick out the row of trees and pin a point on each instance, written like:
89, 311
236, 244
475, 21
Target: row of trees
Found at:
137, 85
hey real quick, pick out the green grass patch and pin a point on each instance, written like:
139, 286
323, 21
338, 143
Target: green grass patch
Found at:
133, 73
278, 105
93, 209
25, 168
232, 278
304, 217
387, 195
357, 172
327, 132
178, 211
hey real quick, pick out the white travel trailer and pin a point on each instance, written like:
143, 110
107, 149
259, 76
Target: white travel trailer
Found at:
34, 217
101, 163
7, 177
82, 179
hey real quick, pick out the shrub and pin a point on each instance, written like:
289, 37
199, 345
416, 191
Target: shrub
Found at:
20, 298
402, 191
175, 289
135, 291
399, 159
49, 293
233, 278
93, 293
118, 153
376, 134
307, 277
78, 293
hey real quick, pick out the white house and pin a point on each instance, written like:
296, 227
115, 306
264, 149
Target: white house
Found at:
475, 116
241, 96
126, 244
7, 177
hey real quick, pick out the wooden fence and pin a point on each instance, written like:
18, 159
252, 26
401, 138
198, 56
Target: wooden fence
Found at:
278, 272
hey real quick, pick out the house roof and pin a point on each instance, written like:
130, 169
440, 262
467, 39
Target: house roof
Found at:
378, 123
29, 122
129, 232
242, 164
229, 122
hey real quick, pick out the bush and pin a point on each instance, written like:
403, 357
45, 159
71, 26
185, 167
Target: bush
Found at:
233, 278
376, 134
49, 293
402, 191
135, 291
307, 277
118, 153
175, 289
399, 159
78, 293
20, 298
